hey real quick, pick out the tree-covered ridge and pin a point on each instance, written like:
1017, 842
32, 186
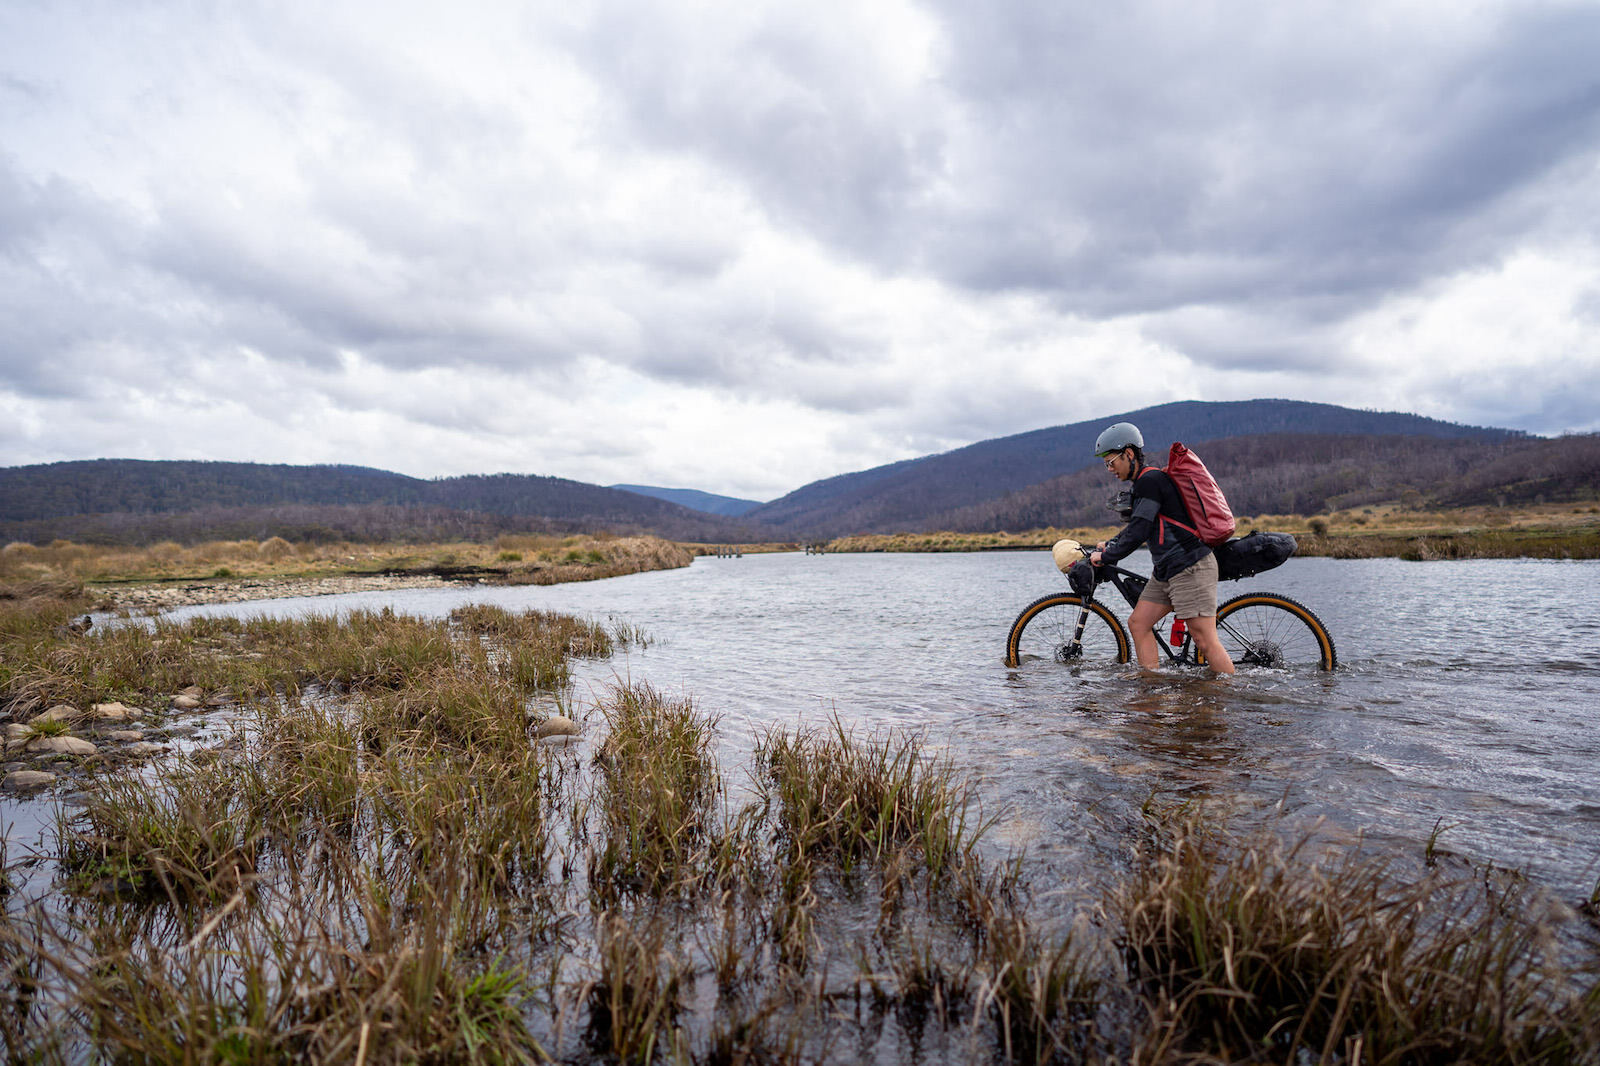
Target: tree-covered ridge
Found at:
902, 495
1290, 473
130, 499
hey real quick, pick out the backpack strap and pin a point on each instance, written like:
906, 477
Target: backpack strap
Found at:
1161, 528
1161, 519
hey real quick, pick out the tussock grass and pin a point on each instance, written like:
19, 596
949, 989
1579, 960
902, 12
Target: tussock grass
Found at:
636, 996
259, 658
1388, 531
1248, 947
658, 785
468, 709
1044, 995
852, 800
192, 834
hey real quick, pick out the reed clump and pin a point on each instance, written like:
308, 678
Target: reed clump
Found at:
658, 786
1244, 948
852, 800
192, 834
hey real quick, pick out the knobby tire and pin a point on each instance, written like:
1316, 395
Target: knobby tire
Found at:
1046, 626
1264, 629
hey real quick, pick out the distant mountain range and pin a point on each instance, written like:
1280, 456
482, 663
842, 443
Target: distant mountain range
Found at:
1271, 456
140, 500
695, 500
906, 494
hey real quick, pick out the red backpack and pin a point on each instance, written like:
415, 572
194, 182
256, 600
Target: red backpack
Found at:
1213, 522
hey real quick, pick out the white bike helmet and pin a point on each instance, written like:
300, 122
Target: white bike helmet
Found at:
1117, 437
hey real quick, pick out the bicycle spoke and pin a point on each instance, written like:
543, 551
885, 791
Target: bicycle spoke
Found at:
1266, 630
1049, 629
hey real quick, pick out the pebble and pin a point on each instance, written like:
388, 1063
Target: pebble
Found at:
62, 745
163, 597
61, 712
19, 780
556, 726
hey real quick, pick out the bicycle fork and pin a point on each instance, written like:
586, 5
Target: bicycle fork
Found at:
1083, 622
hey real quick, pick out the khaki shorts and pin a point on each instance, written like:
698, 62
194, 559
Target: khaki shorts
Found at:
1190, 593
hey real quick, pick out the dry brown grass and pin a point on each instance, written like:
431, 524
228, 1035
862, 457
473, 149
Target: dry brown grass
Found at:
509, 560
1385, 531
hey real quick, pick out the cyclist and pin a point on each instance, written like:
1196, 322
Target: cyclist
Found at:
1183, 570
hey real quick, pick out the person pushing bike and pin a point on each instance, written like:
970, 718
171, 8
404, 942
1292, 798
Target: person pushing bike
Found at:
1183, 570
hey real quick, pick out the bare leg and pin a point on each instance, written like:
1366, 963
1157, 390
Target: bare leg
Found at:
1146, 613
1204, 632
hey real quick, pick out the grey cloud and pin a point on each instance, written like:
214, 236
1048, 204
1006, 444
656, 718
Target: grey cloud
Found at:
1348, 172
795, 107
1142, 158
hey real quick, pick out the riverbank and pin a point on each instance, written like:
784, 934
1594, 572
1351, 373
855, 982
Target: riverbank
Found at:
169, 575
1564, 532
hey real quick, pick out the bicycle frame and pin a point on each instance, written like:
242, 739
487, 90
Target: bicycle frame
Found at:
1131, 585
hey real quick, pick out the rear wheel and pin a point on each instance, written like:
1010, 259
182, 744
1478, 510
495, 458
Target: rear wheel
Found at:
1048, 629
1265, 629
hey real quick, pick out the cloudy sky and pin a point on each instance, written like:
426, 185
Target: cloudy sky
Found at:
738, 245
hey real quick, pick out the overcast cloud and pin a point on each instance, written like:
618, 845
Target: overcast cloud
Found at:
741, 246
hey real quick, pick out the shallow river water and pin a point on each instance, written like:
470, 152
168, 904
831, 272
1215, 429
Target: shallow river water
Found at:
1467, 695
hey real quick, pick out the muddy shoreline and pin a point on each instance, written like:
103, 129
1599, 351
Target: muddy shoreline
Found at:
160, 597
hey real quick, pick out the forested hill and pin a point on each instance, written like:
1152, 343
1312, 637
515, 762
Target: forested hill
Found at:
242, 498
1297, 473
907, 494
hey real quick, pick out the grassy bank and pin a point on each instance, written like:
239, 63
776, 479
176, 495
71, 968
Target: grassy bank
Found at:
378, 862
1553, 532
224, 567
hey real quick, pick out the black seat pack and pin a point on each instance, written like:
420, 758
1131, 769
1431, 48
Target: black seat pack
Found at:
1250, 555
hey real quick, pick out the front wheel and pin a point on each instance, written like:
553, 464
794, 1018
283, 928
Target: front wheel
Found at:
1049, 628
1265, 629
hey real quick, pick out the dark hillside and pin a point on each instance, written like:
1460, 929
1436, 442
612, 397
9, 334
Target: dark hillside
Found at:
695, 500
1307, 474
140, 486
135, 501
906, 494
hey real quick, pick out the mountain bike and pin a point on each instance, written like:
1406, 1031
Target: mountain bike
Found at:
1259, 629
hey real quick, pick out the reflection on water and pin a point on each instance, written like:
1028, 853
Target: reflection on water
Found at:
1466, 691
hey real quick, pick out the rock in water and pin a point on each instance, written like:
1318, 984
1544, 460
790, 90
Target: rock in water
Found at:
63, 745
20, 780
556, 726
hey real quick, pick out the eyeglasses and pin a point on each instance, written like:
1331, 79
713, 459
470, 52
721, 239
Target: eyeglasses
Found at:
1111, 459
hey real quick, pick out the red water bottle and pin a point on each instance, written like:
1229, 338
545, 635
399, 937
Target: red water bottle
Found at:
1179, 631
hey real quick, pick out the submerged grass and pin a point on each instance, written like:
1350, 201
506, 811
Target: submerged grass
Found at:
387, 868
1250, 948
657, 786
851, 800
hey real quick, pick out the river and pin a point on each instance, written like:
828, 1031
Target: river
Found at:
1465, 703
